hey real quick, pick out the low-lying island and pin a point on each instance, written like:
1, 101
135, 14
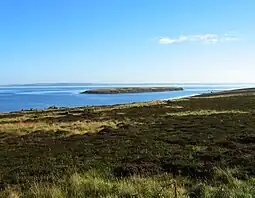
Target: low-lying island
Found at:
131, 90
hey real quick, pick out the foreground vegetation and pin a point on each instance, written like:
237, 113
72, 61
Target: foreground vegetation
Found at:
196, 147
131, 90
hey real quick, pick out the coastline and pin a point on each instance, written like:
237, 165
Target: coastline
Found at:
228, 92
181, 97
214, 94
218, 93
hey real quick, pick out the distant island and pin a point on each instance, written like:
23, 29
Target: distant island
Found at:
131, 90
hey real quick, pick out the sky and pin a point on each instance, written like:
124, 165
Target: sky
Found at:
127, 41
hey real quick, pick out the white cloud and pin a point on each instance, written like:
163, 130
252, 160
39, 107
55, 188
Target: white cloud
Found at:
204, 38
167, 41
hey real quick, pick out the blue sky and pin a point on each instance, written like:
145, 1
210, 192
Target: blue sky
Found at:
123, 41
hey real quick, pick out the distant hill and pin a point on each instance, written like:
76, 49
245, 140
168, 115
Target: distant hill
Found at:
51, 84
83, 84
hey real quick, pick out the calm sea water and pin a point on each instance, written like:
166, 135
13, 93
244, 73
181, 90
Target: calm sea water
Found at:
14, 98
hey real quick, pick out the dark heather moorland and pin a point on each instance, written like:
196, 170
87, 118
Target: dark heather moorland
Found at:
202, 146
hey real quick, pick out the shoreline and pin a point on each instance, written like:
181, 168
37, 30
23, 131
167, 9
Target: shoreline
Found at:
217, 93
228, 92
180, 97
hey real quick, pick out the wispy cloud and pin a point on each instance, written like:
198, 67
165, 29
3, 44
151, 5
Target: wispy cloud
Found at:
204, 38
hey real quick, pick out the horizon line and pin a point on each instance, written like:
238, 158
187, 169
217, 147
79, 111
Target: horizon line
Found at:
115, 83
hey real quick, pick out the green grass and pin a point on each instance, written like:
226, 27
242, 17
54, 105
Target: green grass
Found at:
95, 184
202, 145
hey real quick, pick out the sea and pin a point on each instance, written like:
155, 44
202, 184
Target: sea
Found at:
24, 97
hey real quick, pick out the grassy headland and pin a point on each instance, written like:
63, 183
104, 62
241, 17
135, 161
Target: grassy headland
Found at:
195, 147
131, 90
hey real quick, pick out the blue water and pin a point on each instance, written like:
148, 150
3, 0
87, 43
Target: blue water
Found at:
15, 98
